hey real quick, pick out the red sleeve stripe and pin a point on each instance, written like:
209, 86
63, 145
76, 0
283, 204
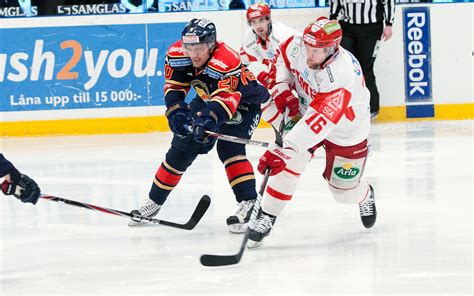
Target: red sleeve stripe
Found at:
251, 58
278, 195
228, 100
292, 172
274, 117
283, 48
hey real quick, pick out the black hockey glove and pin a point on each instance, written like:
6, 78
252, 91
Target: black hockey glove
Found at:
205, 120
179, 119
25, 189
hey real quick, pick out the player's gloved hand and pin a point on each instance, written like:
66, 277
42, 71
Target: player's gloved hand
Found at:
275, 159
179, 118
25, 189
267, 79
205, 120
287, 100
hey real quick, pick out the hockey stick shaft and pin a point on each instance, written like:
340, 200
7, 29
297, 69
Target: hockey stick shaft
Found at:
201, 208
232, 139
244, 141
238, 140
222, 260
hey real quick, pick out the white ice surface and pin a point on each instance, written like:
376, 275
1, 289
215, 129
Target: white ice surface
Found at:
421, 244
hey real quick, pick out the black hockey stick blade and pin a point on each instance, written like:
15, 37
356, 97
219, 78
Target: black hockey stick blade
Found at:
199, 212
223, 260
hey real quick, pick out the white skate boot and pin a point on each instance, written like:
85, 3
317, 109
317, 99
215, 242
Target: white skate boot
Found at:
148, 209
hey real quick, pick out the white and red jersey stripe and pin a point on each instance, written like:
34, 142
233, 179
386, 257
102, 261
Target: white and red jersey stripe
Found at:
334, 100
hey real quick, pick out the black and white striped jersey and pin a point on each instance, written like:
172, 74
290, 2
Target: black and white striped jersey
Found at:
363, 11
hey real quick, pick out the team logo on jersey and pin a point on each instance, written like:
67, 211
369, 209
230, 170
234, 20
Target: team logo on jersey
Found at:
201, 89
294, 51
346, 171
236, 119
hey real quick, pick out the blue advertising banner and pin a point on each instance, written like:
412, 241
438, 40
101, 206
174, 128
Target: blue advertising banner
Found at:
79, 67
417, 55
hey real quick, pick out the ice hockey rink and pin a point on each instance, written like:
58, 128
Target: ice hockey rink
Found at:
422, 173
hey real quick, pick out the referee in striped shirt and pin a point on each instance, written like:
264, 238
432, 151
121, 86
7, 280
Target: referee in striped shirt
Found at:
364, 23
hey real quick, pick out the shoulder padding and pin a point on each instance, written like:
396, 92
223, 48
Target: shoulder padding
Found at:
224, 59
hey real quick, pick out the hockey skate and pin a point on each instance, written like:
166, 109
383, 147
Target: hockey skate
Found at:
238, 222
262, 229
368, 212
148, 209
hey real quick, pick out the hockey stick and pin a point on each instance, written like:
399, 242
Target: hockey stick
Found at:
200, 210
244, 141
232, 139
222, 260
237, 139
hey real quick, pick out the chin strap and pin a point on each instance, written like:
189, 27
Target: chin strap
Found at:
330, 58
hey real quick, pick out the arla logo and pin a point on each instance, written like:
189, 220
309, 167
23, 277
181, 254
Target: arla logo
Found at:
347, 171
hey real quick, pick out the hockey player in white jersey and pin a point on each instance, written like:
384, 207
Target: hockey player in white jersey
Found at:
336, 117
260, 42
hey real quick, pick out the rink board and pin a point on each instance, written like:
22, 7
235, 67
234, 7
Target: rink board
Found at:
103, 74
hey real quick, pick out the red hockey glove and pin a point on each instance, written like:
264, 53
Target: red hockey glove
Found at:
287, 100
267, 79
275, 159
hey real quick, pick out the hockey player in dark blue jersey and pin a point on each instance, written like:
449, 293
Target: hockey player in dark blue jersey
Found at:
228, 101
19, 185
